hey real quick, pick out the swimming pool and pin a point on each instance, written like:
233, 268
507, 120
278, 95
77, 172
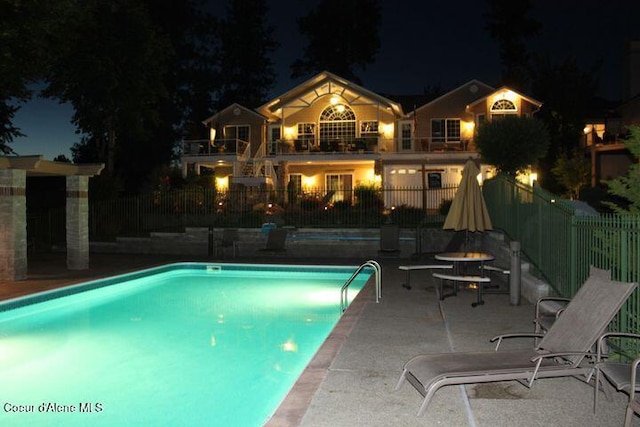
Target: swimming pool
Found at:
184, 344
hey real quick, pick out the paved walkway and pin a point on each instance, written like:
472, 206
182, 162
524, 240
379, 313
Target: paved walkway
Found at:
359, 387
354, 385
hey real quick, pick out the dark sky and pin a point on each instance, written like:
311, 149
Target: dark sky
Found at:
424, 43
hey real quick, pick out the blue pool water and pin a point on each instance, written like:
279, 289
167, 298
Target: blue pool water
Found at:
185, 344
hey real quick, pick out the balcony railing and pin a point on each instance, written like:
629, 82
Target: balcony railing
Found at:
368, 145
218, 147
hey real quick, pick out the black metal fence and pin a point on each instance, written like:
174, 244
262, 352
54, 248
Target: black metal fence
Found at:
252, 207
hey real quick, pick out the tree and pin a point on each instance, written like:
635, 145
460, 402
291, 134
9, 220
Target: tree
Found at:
628, 186
111, 70
573, 171
246, 72
568, 93
509, 24
61, 158
342, 36
26, 27
512, 143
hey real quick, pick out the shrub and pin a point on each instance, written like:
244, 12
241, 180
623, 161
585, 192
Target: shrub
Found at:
512, 143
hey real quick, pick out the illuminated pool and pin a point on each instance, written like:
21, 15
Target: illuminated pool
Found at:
184, 344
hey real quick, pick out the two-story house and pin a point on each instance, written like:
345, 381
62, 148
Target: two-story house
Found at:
330, 135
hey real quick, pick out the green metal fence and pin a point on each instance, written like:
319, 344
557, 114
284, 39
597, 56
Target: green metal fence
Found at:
561, 242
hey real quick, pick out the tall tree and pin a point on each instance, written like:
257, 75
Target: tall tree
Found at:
246, 70
510, 24
568, 92
133, 72
342, 37
627, 187
25, 30
111, 70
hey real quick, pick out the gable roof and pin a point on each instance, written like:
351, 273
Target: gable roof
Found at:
325, 83
410, 103
504, 89
231, 108
479, 87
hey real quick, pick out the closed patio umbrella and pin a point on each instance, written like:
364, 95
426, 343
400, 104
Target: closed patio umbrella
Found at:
468, 210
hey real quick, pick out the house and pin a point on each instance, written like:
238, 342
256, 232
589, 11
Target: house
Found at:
604, 133
329, 136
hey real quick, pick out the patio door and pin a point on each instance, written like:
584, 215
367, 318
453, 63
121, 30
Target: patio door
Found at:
341, 185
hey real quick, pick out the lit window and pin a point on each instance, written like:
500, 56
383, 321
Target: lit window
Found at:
337, 123
503, 105
445, 130
369, 128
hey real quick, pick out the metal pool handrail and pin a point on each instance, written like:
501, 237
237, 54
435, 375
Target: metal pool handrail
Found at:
378, 273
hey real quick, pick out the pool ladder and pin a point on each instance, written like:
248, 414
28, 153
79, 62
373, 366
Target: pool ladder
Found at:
378, 273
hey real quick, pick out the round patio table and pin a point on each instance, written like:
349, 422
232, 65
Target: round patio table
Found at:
465, 257
459, 257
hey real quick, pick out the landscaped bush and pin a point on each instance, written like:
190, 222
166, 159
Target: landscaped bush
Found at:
368, 198
444, 207
406, 216
310, 203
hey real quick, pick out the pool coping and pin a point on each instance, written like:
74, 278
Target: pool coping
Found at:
296, 403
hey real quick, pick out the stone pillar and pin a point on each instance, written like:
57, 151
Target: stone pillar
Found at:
77, 222
13, 224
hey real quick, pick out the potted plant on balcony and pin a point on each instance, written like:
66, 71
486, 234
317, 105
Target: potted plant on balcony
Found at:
286, 146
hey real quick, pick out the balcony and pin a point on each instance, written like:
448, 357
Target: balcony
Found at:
236, 147
220, 147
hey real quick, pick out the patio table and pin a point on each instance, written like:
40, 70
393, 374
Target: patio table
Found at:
458, 259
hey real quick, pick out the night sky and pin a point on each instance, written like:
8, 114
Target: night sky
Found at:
424, 43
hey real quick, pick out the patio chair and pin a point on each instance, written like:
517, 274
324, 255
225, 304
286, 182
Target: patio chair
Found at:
547, 309
389, 239
230, 239
634, 402
621, 375
563, 351
276, 240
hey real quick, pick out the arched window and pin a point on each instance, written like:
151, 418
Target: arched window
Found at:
337, 123
502, 107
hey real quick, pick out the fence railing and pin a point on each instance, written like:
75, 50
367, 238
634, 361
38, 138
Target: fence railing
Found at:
561, 242
178, 209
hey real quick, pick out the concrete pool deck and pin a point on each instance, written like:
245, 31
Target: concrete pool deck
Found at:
351, 381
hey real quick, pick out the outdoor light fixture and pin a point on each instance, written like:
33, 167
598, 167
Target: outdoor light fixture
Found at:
308, 181
222, 183
212, 136
289, 132
387, 130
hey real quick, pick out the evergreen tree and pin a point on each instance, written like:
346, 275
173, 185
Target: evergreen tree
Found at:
342, 36
568, 92
509, 23
246, 72
628, 186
